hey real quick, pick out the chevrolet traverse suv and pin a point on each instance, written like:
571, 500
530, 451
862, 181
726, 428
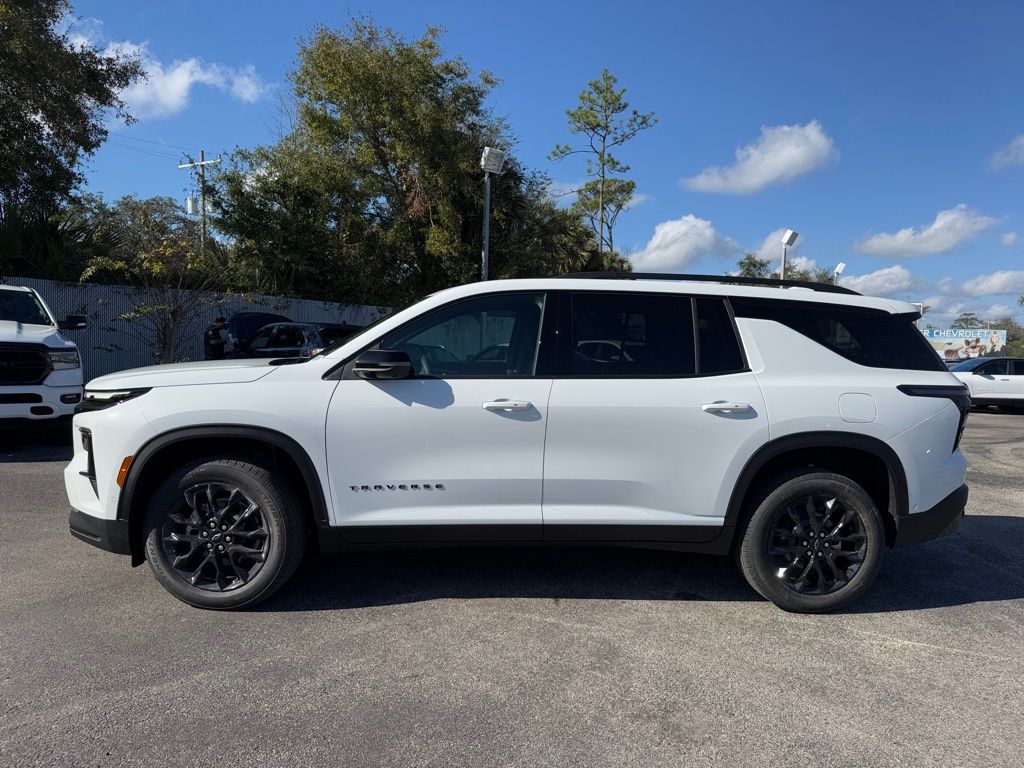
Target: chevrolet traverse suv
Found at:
801, 429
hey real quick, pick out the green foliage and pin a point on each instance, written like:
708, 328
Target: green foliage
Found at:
375, 194
967, 320
54, 98
752, 266
598, 118
1014, 335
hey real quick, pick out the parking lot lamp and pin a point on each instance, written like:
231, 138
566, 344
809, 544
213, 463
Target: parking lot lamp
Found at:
492, 161
837, 272
788, 238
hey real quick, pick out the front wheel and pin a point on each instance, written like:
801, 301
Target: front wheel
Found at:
223, 533
813, 542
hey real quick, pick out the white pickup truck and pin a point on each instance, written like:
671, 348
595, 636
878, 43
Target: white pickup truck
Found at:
40, 370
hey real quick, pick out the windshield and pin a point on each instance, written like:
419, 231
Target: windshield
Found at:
23, 307
969, 365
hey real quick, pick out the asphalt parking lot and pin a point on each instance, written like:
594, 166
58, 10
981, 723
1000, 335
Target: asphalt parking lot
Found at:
514, 657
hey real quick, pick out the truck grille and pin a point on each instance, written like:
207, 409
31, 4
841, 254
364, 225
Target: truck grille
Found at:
23, 364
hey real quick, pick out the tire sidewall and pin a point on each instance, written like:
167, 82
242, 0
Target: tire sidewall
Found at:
754, 558
272, 508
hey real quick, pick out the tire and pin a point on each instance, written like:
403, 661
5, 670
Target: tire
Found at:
246, 555
821, 513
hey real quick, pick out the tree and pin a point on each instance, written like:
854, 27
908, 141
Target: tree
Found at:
54, 101
967, 320
374, 194
1014, 335
597, 118
753, 266
152, 247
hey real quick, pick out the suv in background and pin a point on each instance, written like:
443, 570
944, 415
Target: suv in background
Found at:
296, 339
993, 381
801, 427
40, 370
242, 326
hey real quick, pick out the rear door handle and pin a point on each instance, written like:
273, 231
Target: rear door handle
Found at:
507, 405
720, 406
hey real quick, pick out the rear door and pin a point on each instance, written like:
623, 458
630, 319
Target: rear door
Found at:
651, 419
992, 381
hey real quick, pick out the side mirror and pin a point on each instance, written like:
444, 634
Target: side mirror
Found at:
382, 364
73, 323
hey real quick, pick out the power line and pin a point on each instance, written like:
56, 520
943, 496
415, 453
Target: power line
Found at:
140, 150
151, 141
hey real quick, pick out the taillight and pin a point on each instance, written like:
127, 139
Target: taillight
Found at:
960, 396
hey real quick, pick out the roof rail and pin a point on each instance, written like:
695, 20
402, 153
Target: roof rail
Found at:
729, 279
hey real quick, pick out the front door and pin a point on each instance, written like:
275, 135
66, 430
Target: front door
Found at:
652, 423
456, 451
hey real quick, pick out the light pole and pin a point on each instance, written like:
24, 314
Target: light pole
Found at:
837, 272
492, 161
788, 238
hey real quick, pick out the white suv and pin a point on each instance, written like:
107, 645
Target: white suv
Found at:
40, 370
800, 430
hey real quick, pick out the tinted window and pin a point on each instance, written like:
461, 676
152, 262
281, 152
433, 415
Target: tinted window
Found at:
719, 347
994, 368
22, 307
288, 336
261, 340
457, 341
866, 336
631, 334
1017, 368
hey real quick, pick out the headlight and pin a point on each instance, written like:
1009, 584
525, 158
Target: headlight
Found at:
98, 399
65, 359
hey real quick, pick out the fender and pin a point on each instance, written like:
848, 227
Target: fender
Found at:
804, 440
277, 439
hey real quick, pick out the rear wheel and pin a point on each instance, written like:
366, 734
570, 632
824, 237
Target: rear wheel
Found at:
813, 542
223, 533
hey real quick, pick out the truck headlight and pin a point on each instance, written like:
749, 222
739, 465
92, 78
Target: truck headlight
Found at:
66, 358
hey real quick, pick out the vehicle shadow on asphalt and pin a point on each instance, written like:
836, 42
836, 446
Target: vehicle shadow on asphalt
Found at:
24, 445
978, 564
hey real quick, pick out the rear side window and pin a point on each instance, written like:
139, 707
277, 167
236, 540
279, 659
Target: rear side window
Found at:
1018, 368
631, 335
868, 337
716, 336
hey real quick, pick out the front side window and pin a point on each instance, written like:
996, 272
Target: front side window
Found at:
994, 368
289, 336
261, 340
631, 335
496, 336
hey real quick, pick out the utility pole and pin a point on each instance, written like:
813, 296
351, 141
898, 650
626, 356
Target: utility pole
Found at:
201, 165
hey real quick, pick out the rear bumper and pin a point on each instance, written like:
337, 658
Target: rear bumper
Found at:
942, 519
111, 535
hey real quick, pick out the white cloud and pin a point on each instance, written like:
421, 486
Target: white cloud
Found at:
83, 33
1010, 155
638, 198
950, 228
888, 281
679, 242
1009, 239
166, 89
1003, 281
781, 154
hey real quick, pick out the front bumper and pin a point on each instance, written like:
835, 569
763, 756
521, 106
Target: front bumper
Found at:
111, 535
39, 402
940, 520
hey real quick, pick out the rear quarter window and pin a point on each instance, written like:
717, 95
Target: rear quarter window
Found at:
868, 337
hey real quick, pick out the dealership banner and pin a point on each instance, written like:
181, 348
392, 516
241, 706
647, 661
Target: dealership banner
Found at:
965, 343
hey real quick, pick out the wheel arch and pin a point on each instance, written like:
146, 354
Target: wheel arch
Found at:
858, 456
170, 448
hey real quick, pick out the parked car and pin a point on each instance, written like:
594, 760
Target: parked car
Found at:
40, 370
994, 381
296, 339
802, 430
242, 326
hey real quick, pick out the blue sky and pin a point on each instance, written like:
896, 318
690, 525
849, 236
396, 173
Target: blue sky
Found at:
890, 135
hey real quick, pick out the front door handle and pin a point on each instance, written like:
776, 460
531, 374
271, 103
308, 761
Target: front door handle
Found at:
720, 406
507, 405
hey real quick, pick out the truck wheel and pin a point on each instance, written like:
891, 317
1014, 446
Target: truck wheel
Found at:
813, 542
223, 533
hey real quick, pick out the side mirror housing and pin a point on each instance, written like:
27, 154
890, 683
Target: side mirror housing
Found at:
377, 364
73, 323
